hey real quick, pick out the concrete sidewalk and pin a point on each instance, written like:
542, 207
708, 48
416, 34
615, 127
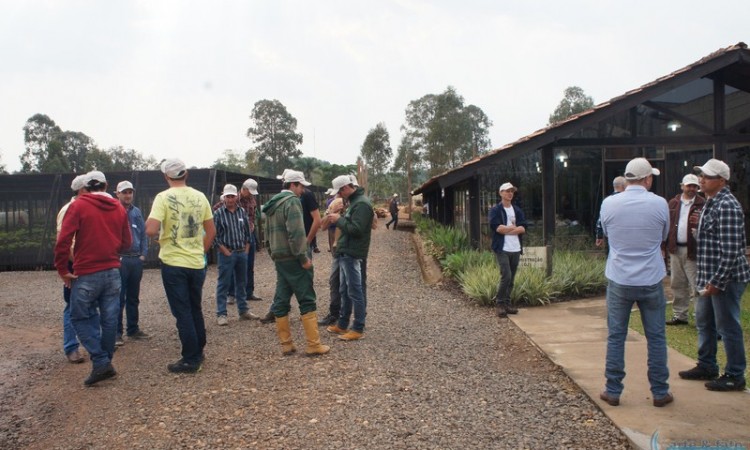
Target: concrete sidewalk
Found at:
574, 335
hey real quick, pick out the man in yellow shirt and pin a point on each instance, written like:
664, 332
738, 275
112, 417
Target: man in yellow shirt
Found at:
181, 217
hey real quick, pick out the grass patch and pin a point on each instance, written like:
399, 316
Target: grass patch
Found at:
684, 339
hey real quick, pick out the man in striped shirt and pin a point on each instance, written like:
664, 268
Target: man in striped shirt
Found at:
723, 274
233, 244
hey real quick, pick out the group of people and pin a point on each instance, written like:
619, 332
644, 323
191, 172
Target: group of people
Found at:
705, 240
102, 243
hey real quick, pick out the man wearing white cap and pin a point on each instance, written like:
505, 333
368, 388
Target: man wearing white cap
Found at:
100, 226
233, 243
248, 202
184, 217
636, 223
723, 274
287, 244
70, 341
684, 210
131, 266
508, 225
393, 209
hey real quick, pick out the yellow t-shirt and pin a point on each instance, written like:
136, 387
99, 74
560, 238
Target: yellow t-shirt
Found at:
181, 211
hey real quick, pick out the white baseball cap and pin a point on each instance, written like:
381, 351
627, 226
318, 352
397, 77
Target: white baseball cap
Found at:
294, 176
78, 183
690, 179
638, 169
95, 177
712, 168
229, 189
354, 180
251, 185
173, 168
507, 187
339, 182
122, 185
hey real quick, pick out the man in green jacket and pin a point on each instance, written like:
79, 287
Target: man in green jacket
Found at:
287, 244
351, 249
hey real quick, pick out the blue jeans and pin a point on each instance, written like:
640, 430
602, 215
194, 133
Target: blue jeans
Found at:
508, 263
70, 340
131, 273
652, 304
184, 288
232, 267
250, 286
94, 303
721, 314
352, 293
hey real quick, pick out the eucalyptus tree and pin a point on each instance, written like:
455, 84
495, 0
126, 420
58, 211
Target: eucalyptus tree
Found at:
274, 132
574, 101
376, 154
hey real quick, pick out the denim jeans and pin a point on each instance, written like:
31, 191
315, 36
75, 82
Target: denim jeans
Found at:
70, 340
231, 267
352, 293
250, 286
94, 304
184, 288
508, 263
721, 314
652, 304
131, 273
334, 287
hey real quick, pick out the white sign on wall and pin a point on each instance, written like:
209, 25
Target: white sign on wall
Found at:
534, 257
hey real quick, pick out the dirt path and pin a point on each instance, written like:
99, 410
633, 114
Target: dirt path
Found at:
433, 372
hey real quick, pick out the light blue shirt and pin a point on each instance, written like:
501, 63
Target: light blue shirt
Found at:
635, 222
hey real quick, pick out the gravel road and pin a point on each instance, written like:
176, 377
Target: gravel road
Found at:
433, 372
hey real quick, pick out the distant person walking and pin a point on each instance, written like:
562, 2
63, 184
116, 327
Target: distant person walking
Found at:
131, 266
618, 185
181, 217
100, 227
393, 209
287, 244
508, 225
636, 222
684, 210
723, 274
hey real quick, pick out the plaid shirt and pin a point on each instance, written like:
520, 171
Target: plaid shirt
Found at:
721, 242
249, 204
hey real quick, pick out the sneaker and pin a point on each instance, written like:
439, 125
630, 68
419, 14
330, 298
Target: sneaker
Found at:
75, 357
268, 318
675, 321
664, 401
247, 315
698, 373
254, 298
119, 342
330, 319
726, 383
231, 300
184, 367
100, 373
609, 398
139, 335
222, 321
335, 329
352, 335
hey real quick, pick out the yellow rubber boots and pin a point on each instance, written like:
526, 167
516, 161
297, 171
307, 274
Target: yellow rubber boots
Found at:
285, 335
310, 323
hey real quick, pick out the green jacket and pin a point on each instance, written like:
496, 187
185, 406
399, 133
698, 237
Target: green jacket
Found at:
285, 229
356, 226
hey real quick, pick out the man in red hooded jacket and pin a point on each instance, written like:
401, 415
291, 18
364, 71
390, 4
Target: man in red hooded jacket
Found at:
100, 227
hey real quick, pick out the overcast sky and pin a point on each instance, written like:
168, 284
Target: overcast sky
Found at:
180, 78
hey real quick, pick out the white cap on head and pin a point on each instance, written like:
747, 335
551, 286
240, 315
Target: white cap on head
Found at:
395, 195
229, 189
283, 174
638, 169
251, 185
294, 176
95, 177
78, 183
507, 187
173, 168
339, 182
690, 179
329, 192
713, 168
354, 180
122, 185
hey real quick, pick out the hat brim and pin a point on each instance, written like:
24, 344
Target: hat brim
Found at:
700, 170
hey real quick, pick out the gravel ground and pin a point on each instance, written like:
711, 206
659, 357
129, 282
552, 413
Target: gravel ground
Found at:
433, 371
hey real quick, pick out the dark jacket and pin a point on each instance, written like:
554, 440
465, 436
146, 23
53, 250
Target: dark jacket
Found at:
497, 218
356, 226
674, 218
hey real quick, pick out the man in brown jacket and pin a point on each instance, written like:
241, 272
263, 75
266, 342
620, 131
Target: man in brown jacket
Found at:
684, 211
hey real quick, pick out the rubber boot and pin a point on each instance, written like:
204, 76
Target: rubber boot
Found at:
285, 335
314, 347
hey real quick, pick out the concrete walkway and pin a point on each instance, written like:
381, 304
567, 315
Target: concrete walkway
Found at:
574, 335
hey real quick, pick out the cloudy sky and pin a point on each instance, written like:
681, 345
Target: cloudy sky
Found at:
180, 78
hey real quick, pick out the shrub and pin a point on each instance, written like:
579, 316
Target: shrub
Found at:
578, 274
447, 240
480, 282
455, 264
532, 287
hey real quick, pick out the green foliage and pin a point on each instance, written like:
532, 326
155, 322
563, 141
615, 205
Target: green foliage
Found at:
457, 263
231, 161
532, 287
377, 153
480, 283
578, 274
447, 240
573, 102
275, 133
